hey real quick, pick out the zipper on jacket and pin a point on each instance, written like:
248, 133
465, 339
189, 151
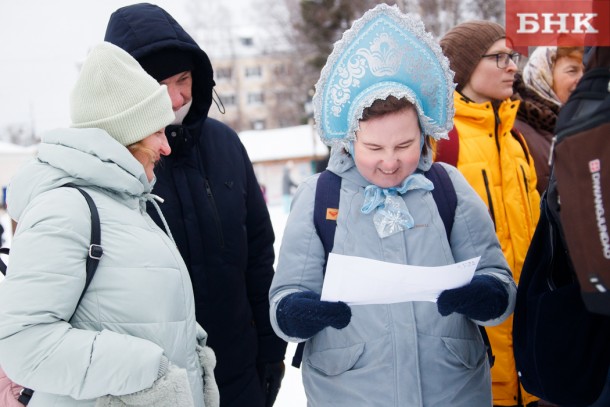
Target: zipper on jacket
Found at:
489, 201
527, 191
550, 282
497, 121
553, 140
208, 190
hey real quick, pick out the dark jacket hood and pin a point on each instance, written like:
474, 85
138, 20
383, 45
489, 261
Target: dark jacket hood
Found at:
143, 29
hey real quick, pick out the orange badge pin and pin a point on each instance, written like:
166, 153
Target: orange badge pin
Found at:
332, 213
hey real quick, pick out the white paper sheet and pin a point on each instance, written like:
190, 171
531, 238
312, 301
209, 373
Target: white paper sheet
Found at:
358, 281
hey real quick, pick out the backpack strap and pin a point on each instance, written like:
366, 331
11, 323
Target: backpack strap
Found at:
325, 212
328, 190
3, 250
444, 195
93, 258
326, 209
25, 395
448, 150
95, 247
445, 198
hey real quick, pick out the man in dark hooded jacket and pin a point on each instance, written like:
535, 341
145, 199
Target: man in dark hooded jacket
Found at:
214, 207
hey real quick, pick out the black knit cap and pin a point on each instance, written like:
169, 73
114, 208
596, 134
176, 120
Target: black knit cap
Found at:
464, 44
167, 62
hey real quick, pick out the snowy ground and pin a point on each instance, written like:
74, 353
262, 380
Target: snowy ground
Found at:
292, 393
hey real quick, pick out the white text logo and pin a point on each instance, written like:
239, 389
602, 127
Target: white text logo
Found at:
602, 227
556, 23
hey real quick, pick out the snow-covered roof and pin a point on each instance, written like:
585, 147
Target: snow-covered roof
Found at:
11, 158
9, 148
283, 144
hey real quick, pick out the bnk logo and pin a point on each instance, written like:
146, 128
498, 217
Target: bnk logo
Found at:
558, 23
580, 23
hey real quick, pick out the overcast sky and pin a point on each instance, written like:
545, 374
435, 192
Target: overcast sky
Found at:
41, 44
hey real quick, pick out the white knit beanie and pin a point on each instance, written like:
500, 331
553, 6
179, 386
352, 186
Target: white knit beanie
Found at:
114, 93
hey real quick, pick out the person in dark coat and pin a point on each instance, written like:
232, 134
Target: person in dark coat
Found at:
597, 57
214, 207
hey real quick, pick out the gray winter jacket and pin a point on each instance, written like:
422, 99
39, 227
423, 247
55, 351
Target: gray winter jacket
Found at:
139, 304
404, 354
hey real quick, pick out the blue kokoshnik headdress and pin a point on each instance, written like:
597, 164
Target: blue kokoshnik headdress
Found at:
384, 53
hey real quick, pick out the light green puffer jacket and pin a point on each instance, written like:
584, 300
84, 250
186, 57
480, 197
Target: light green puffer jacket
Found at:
139, 304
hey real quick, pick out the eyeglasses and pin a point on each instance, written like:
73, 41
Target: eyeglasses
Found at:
503, 58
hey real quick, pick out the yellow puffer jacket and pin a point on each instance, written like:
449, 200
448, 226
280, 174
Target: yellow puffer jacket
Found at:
498, 165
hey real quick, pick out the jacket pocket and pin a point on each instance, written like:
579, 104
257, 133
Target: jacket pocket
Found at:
468, 352
333, 362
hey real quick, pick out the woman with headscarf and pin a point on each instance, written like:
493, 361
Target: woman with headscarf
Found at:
550, 75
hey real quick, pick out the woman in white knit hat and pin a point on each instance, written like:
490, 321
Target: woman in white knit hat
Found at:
133, 338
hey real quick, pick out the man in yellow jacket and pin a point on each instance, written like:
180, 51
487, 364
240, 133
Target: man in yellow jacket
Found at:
496, 162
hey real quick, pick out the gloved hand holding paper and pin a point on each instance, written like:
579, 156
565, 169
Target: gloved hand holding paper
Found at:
359, 281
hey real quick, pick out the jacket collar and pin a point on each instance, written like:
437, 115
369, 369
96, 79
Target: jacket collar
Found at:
481, 115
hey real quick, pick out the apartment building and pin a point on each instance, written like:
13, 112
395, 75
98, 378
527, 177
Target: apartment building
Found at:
256, 85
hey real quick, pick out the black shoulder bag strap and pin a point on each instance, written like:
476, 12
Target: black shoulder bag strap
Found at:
3, 250
95, 247
95, 253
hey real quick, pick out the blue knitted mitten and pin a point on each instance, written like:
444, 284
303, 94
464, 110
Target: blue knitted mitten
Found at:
302, 314
483, 299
